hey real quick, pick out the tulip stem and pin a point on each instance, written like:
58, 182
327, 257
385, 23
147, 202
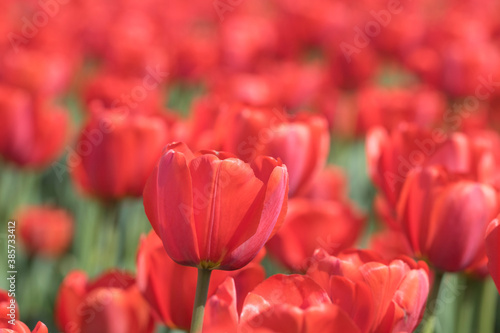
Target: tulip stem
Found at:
488, 307
429, 323
200, 299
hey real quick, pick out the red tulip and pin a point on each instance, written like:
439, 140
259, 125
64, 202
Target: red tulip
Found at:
117, 152
445, 219
493, 250
389, 107
45, 231
333, 226
137, 95
8, 306
330, 184
301, 142
44, 71
212, 210
111, 303
379, 296
390, 244
292, 304
20, 327
31, 133
170, 288
391, 156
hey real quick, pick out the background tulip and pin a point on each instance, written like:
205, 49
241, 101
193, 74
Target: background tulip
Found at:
32, 131
20, 327
116, 152
302, 141
111, 303
333, 226
445, 219
45, 230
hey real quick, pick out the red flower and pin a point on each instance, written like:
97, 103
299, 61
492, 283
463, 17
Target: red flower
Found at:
280, 304
379, 296
212, 210
445, 219
138, 95
111, 303
8, 306
170, 288
390, 244
301, 142
31, 133
330, 184
20, 327
392, 156
493, 250
389, 107
333, 226
117, 152
45, 231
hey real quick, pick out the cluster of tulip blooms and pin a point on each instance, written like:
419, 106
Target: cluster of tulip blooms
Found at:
222, 117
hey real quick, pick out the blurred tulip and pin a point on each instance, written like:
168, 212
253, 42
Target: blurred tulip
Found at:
493, 250
137, 95
45, 231
330, 184
390, 244
212, 210
170, 288
445, 219
8, 306
43, 72
32, 134
20, 327
389, 107
392, 156
302, 142
333, 226
117, 152
379, 296
110, 303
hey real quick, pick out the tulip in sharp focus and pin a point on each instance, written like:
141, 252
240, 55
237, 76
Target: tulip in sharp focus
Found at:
212, 210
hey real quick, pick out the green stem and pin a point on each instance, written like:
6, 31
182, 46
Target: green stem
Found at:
200, 300
468, 307
488, 307
430, 323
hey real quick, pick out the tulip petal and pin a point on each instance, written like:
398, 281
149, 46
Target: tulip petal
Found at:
223, 192
168, 203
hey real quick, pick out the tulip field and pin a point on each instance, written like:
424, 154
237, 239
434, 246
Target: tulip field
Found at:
231, 166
